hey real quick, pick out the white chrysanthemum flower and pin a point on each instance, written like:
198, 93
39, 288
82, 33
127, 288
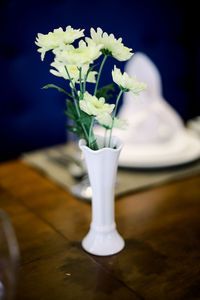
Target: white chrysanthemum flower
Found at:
106, 121
127, 83
94, 106
85, 54
56, 38
110, 45
60, 71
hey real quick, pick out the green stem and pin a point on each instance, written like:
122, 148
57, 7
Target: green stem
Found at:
84, 86
71, 81
99, 74
92, 141
80, 82
105, 134
114, 114
90, 131
85, 80
117, 102
79, 115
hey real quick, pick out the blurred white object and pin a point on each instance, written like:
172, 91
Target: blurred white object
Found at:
156, 135
182, 149
150, 117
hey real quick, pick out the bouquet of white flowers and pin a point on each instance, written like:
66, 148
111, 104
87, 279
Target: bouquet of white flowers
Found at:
76, 64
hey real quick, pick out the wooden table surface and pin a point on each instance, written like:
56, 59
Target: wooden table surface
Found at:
161, 228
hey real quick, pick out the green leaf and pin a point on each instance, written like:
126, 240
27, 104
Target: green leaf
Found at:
105, 91
86, 120
56, 87
71, 107
71, 110
91, 68
93, 142
72, 114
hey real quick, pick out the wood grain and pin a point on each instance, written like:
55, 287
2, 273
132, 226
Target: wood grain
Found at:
161, 229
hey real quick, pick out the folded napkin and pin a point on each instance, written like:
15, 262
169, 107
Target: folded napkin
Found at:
151, 119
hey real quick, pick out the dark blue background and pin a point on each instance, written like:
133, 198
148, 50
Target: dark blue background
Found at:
32, 118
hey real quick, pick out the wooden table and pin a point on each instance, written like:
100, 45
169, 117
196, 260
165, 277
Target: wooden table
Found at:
161, 228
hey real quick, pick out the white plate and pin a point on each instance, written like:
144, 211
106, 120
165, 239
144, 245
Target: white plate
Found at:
183, 149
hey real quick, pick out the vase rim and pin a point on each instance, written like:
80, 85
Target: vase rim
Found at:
82, 145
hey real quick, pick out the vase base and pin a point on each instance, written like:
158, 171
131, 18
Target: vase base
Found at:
103, 243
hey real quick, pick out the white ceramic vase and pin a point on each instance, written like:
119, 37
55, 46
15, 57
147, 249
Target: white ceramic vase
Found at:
102, 238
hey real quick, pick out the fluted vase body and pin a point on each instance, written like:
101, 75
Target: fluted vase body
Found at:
102, 238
